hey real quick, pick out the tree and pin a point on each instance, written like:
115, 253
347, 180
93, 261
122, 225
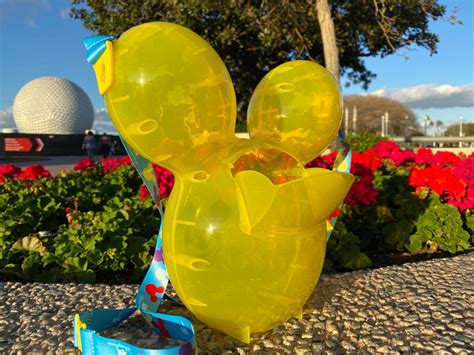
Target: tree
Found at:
254, 36
438, 126
454, 129
371, 108
328, 37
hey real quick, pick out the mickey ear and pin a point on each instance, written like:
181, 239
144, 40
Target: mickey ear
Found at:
171, 93
298, 106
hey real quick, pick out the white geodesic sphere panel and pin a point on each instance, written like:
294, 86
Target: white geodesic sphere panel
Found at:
52, 105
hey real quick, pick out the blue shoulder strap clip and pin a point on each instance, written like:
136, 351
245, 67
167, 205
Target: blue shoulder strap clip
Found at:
95, 46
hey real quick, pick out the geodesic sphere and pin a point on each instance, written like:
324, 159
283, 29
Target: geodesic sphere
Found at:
52, 105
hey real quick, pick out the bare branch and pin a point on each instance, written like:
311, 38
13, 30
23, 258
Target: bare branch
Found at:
385, 23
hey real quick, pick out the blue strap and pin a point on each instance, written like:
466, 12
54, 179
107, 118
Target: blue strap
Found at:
342, 164
148, 299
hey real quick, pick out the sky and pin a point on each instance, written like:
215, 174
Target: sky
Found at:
38, 38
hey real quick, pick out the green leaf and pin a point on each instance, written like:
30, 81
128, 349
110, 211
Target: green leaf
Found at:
31, 264
76, 263
415, 244
31, 243
470, 224
50, 258
125, 214
96, 257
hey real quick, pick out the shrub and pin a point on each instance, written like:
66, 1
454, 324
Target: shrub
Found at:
98, 222
363, 141
83, 226
439, 227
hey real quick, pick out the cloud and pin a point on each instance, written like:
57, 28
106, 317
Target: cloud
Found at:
64, 14
100, 127
432, 96
27, 9
102, 115
102, 122
6, 119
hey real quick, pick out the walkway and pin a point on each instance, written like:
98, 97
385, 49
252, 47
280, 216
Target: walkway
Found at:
420, 307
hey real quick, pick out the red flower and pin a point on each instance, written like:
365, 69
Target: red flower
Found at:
403, 157
466, 202
417, 178
34, 171
362, 192
126, 160
9, 171
110, 164
423, 156
465, 170
366, 159
165, 179
324, 161
84, 164
363, 165
391, 151
451, 187
144, 193
442, 159
69, 215
385, 149
360, 170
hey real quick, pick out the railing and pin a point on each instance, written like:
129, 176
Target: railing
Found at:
423, 139
442, 142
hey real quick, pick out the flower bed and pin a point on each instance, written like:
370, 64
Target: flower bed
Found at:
403, 201
98, 223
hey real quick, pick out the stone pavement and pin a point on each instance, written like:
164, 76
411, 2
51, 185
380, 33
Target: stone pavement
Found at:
420, 307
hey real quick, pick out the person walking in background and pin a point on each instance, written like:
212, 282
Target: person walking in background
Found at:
115, 148
89, 144
105, 145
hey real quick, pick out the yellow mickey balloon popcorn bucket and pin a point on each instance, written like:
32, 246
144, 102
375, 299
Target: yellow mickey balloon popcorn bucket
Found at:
244, 233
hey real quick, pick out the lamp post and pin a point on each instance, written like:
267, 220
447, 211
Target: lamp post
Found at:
354, 119
405, 128
382, 129
346, 121
427, 121
461, 134
386, 123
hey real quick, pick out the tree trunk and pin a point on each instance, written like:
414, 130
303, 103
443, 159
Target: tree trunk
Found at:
328, 35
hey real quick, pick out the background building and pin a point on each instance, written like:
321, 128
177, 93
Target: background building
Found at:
52, 105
